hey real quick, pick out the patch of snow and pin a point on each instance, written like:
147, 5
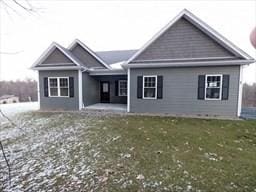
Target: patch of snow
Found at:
213, 157
140, 177
15, 108
127, 155
117, 65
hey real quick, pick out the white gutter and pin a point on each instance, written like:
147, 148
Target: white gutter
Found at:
57, 68
107, 72
188, 64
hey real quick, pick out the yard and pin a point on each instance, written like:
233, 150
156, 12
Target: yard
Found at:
116, 152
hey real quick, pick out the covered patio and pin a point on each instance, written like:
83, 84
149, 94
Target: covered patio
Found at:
107, 107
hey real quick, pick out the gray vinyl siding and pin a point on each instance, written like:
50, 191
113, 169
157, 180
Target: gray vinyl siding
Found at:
180, 92
112, 79
58, 103
91, 87
183, 40
86, 58
57, 57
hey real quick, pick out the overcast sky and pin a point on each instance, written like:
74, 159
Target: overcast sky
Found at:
111, 25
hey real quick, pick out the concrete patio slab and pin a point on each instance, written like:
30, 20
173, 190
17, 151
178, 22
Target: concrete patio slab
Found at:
107, 107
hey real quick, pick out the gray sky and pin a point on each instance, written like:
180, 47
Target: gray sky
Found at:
111, 25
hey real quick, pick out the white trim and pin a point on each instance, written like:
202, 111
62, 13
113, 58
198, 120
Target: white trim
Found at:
240, 92
77, 41
149, 87
205, 87
58, 86
128, 90
49, 50
200, 24
187, 64
109, 72
184, 59
38, 90
80, 89
57, 68
51, 64
121, 80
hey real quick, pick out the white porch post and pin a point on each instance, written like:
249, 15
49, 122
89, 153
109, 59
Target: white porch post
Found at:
80, 89
38, 89
240, 92
128, 90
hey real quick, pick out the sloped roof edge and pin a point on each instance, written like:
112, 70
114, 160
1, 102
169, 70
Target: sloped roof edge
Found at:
50, 49
200, 24
77, 41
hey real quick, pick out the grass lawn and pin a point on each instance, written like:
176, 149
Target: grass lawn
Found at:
111, 152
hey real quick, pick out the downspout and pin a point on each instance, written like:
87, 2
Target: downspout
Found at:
240, 92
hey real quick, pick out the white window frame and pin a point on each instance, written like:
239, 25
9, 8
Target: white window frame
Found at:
119, 81
58, 86
220, 93
143, 87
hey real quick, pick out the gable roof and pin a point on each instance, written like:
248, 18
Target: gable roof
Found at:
49, 50
202, 26
92, 53
116, 56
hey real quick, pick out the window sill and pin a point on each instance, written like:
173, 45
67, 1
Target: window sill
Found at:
149, 98
208, 99
58, 96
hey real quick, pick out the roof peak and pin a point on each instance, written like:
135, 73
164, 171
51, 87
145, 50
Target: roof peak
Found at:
90, 51
199, 24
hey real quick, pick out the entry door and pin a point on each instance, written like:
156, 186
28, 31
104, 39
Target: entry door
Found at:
104, 92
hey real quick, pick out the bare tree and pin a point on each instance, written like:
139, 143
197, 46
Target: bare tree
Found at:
3, 151
26, 89
15, 6
249, 95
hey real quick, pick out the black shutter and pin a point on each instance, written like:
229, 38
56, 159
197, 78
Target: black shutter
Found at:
225, 87
46, 92
201, 87
139, 87
116, 88
71, 86
159, 87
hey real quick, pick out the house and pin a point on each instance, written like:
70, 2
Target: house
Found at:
187, 68
5, 99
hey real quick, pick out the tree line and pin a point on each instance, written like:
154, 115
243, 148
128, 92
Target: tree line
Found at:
26, 90
249, 95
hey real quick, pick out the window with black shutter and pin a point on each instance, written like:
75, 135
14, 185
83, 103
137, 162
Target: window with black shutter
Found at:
213, 85
60, 86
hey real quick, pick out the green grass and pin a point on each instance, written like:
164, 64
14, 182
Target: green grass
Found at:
172, 154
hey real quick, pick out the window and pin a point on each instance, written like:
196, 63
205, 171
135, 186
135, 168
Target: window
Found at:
105, 88
149, 87
58, 86
213, 84
122, 87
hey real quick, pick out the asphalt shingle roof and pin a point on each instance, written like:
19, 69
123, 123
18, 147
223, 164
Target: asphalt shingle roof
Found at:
111, 57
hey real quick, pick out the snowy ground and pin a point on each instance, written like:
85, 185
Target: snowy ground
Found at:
104, 151
15, 108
